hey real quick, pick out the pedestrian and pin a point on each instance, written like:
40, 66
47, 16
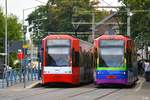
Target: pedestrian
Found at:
147, 70
140, 67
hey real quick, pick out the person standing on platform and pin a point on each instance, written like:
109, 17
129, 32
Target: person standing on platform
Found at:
147, 70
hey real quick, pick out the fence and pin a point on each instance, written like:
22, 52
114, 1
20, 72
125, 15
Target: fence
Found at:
15, 76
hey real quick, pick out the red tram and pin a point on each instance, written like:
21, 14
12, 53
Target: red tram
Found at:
66, 59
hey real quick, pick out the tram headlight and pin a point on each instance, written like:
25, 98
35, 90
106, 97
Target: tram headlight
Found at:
98, 72
69, 72
124, 73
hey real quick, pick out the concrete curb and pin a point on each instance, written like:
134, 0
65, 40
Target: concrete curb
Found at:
33, 85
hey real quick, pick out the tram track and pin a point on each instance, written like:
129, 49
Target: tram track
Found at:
32, 95
93, 90
71, 96
44, 92
39, 93
107, 94
81, 93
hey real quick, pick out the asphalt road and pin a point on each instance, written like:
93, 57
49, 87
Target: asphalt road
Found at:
141, 91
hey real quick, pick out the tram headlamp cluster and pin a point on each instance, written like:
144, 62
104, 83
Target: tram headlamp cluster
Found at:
124, 73
98, 72
68, 72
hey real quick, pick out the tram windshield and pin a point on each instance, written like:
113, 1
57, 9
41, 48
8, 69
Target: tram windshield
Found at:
58, 54
111, 53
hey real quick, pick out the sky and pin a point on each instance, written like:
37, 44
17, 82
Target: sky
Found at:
16, 6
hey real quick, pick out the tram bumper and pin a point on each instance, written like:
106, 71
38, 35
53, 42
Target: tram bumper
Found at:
111, 81
114, 77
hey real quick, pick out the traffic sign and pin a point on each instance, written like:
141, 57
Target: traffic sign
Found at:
20, 55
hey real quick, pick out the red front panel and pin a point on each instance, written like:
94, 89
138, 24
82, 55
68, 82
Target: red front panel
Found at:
73, 78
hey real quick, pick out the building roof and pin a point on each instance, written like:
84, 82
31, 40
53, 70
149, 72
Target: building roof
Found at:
106, 19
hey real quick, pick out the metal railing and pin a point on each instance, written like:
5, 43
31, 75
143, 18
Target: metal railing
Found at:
14, 76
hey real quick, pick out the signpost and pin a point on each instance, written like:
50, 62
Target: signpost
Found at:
20, 55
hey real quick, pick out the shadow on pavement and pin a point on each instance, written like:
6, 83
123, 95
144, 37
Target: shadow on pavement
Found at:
59, 85
116, 86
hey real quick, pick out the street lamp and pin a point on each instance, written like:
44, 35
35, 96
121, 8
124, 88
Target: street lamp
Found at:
24, 31
6, 51
128, 22
129, 14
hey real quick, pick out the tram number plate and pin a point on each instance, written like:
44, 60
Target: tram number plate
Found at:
111, 77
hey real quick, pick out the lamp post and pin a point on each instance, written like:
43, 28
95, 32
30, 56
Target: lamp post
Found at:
6, 51
93, 26
24, 31
128, 22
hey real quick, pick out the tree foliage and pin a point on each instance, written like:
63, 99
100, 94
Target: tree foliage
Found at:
2, 28
61, 13
140, 20
13, 34
14, 29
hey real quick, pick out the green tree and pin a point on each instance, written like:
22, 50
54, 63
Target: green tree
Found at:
2, 24
140, 20
60, 13
14, 28
14, 33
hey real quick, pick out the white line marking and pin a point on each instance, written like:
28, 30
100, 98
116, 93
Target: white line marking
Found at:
32, 85
140, 86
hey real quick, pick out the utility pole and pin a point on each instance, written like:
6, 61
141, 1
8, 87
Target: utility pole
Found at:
6, 52
23, 66
24, 40
128, 22
93, 23
38, 52
93, 26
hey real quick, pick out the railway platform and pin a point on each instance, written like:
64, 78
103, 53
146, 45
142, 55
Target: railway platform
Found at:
27, 85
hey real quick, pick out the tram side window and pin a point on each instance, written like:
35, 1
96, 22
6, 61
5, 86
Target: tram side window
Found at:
129, 58
81, 59
129, 55
95, 57
75, 58
134, 54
